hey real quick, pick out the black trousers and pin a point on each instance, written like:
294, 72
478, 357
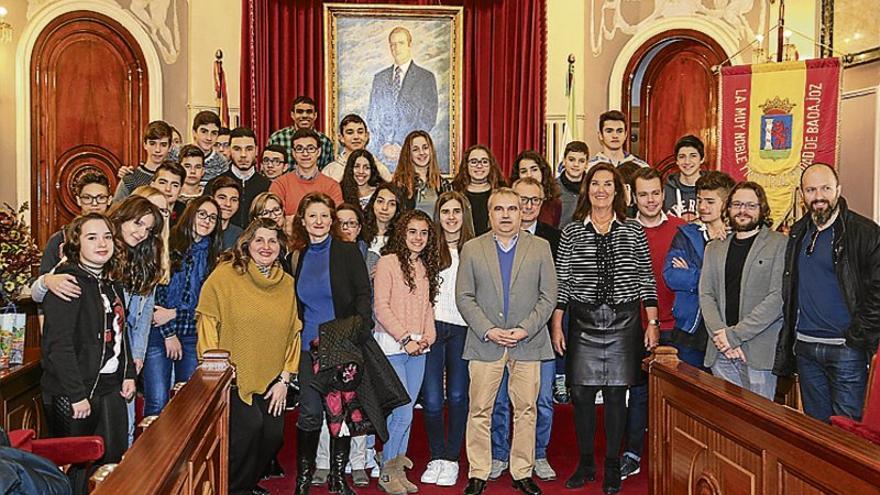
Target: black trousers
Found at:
311, 404
108, 419
254, 438
614, 400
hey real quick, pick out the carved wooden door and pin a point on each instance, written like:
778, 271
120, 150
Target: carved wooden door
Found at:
89, 104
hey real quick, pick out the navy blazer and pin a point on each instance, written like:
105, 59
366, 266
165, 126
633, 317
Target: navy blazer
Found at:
392, 116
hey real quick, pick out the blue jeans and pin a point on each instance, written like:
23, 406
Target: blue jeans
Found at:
738, 373
832, 379
543, 425
157, 370
445, 356
410, 370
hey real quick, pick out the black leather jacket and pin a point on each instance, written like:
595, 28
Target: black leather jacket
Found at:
856, 252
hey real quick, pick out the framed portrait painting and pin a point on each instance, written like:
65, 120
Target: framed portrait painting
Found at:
399, 68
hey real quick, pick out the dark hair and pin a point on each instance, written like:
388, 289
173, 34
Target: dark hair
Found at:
349, 185
462, 177
206, 117
242, 132
356, 209
306, 133
90, 178
175, 131
277, 148
645, 173
239, 256
224, 131
299, 238
222, 182
143, 267
71, 248
183, 235
157, 129
173, 167
612, 115
691, 141
429, 255
765, 218
817, 164
405, 174
548, 178
467, 225
618, 205
713, 180
191, 151
576, 147
303, 99
371, 226
351, 119
627, 174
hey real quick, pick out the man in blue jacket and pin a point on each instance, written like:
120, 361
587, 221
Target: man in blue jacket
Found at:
685, 261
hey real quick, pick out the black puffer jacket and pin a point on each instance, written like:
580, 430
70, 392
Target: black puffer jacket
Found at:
856, 251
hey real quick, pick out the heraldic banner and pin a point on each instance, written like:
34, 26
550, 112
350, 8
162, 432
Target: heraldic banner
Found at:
775, 120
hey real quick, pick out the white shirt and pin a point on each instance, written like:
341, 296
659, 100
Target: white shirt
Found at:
403, 70
446, 310
242, 176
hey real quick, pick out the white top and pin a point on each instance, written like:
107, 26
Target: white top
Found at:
446, 310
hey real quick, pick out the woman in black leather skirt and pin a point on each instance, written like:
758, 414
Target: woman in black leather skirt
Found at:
604, 272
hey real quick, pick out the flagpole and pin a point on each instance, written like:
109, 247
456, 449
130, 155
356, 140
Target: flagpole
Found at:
780, 41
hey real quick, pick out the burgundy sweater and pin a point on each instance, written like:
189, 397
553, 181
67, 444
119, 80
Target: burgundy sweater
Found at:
659, 242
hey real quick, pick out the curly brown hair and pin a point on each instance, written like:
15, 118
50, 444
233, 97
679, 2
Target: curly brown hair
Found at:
240, 255
114, 267
765, 219
430, 255
143, 269
299, 237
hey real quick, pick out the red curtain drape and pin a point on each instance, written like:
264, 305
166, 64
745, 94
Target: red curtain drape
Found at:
504, 93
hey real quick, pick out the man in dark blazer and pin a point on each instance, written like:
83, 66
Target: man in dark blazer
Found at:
505, 291
403, 99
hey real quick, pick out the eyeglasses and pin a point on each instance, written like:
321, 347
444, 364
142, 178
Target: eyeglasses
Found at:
273, 212
204, 215
479, 162
94, 200
306, 149
272, 161
525, 200
739, 205
350, 224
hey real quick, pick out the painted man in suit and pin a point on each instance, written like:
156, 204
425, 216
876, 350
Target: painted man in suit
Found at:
403, 99
505, 291
741, 293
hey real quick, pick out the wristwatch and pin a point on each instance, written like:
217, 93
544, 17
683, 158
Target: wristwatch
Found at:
654, 322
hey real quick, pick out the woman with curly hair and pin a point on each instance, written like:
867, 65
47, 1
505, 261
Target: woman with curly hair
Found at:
383, 210
360, 178
406, 285
250, 285
418, 173
88, 372
530, 163
195, 243
477, 176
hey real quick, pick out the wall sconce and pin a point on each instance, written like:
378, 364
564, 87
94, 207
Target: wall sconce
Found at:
789, 49
759, 53
5, 27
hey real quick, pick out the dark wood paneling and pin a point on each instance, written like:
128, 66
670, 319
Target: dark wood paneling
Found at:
88, 107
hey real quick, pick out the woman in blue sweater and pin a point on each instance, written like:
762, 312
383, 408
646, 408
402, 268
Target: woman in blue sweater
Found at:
195, 243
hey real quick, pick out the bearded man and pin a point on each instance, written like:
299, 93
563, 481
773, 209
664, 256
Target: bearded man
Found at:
831, 293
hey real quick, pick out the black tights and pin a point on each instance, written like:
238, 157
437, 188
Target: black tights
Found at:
584, 399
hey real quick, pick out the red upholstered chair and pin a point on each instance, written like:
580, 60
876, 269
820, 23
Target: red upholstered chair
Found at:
869, 427
61, 451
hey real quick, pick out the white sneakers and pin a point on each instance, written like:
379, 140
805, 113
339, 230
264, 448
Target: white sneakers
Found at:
441, 473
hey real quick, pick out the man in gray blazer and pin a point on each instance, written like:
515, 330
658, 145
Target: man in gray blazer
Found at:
505, 291
741, 293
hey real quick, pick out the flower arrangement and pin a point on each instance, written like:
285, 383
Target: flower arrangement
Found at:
18, 253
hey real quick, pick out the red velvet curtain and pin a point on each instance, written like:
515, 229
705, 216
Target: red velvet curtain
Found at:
504, 68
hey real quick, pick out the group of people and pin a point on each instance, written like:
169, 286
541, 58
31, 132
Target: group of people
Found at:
357, 292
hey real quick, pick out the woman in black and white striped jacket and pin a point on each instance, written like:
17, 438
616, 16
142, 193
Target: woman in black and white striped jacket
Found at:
604, 272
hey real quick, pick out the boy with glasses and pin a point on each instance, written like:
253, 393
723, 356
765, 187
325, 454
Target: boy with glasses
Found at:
274, 162
305, 178
221, 145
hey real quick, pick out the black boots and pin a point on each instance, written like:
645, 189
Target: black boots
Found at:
586, 471
306, 450
339, 450
611, 483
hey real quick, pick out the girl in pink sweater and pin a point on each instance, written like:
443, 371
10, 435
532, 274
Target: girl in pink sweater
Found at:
405, 288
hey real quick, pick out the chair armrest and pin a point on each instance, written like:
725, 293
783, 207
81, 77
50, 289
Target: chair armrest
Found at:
21, 439
70, 450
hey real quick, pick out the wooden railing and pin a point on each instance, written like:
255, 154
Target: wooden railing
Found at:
186, 449
710, 437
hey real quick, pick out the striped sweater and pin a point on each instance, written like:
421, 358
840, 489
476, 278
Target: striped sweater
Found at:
613, 269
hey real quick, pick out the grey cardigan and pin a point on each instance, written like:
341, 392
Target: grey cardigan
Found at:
480, 299
760, 306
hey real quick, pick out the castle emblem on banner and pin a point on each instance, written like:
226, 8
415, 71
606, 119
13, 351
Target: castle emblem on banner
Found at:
776, 127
